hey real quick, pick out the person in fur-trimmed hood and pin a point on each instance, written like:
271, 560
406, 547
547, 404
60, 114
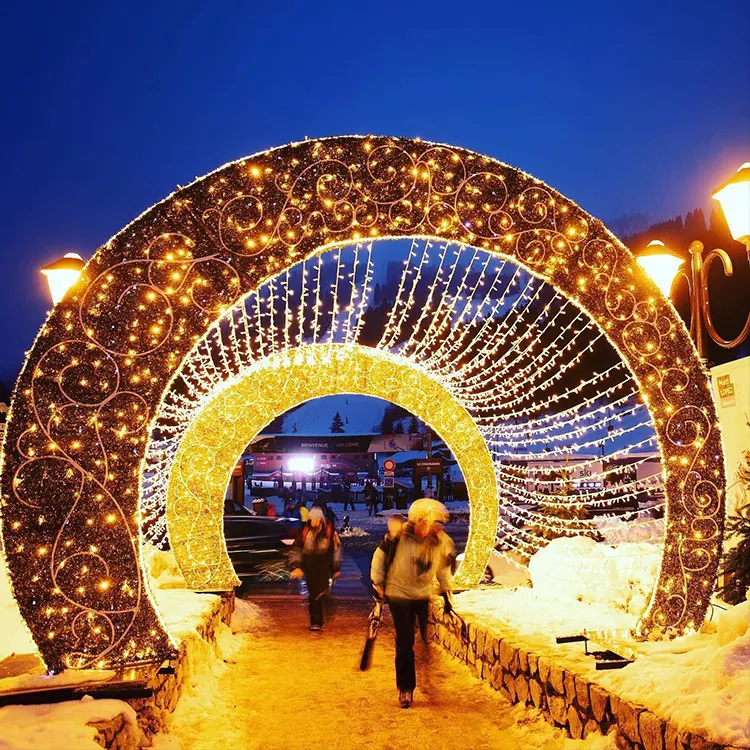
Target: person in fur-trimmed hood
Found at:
316, 555
410, 565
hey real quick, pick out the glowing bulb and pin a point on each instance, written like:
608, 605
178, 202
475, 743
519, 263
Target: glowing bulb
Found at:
734, 198
62, 274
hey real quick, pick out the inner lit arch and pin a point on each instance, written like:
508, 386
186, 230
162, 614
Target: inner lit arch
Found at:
225, 425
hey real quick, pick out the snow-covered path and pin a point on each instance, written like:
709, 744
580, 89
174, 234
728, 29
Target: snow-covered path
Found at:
289, 688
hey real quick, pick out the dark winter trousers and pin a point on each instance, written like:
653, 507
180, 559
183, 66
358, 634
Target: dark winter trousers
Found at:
406, 612
315, 603
317, 573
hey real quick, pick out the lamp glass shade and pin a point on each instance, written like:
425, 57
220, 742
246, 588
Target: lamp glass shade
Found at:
734, 197
661, 264
62, 274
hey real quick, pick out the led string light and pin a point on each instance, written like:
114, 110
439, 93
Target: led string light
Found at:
607, 496
444, 354
566, 418
603, 498
528, 438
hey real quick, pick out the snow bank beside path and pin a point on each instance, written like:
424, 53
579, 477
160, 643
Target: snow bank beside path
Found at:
64, 725
699, 682
61, 725
617, 577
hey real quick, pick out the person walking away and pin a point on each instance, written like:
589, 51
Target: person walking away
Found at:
408, 567
316, 555
348, 497
370, 499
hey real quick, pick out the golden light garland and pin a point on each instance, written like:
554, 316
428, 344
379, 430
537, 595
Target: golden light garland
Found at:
91, 385
242, 407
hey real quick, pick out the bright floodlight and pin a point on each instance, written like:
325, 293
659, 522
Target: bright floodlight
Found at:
661, 264
62, 274
734, 197
304, 464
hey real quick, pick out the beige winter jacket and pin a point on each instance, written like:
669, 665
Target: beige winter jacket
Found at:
421, 568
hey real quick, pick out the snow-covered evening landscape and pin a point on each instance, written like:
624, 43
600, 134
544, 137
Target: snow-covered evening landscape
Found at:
375, 375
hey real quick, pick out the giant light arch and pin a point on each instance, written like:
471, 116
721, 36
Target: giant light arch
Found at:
93, 382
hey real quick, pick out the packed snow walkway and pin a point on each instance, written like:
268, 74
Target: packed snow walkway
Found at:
285, 687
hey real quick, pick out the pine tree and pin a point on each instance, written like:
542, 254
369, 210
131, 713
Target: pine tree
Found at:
276, 426
398, 428
386, 423
736, 565
413, 425
558, 509
337, 425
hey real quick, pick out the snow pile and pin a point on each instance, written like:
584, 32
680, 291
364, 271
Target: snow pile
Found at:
700, 681
246, 617
183, 610
162, 568
506, 571
615, 530
579, 569
16, 637
697, 682
61, 725
353, 531
536, 619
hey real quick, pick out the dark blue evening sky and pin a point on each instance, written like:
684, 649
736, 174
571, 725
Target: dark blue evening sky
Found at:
623, 106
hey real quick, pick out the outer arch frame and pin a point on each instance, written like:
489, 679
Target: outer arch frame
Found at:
92, 382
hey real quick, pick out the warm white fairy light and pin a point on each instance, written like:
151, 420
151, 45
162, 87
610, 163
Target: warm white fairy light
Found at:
568, 430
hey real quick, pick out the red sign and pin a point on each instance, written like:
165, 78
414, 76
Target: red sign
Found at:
389, 464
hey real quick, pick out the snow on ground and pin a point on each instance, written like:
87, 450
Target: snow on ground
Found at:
618, 577
61, 725
64, 725
284, 687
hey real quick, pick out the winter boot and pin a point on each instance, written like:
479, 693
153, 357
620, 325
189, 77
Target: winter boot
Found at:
405, 698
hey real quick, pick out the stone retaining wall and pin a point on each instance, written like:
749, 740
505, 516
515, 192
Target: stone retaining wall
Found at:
153, 712
115, 734
568, 700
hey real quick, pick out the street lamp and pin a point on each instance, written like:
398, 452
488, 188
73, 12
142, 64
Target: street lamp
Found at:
661, 264
734, 198
659, 261
62, 274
